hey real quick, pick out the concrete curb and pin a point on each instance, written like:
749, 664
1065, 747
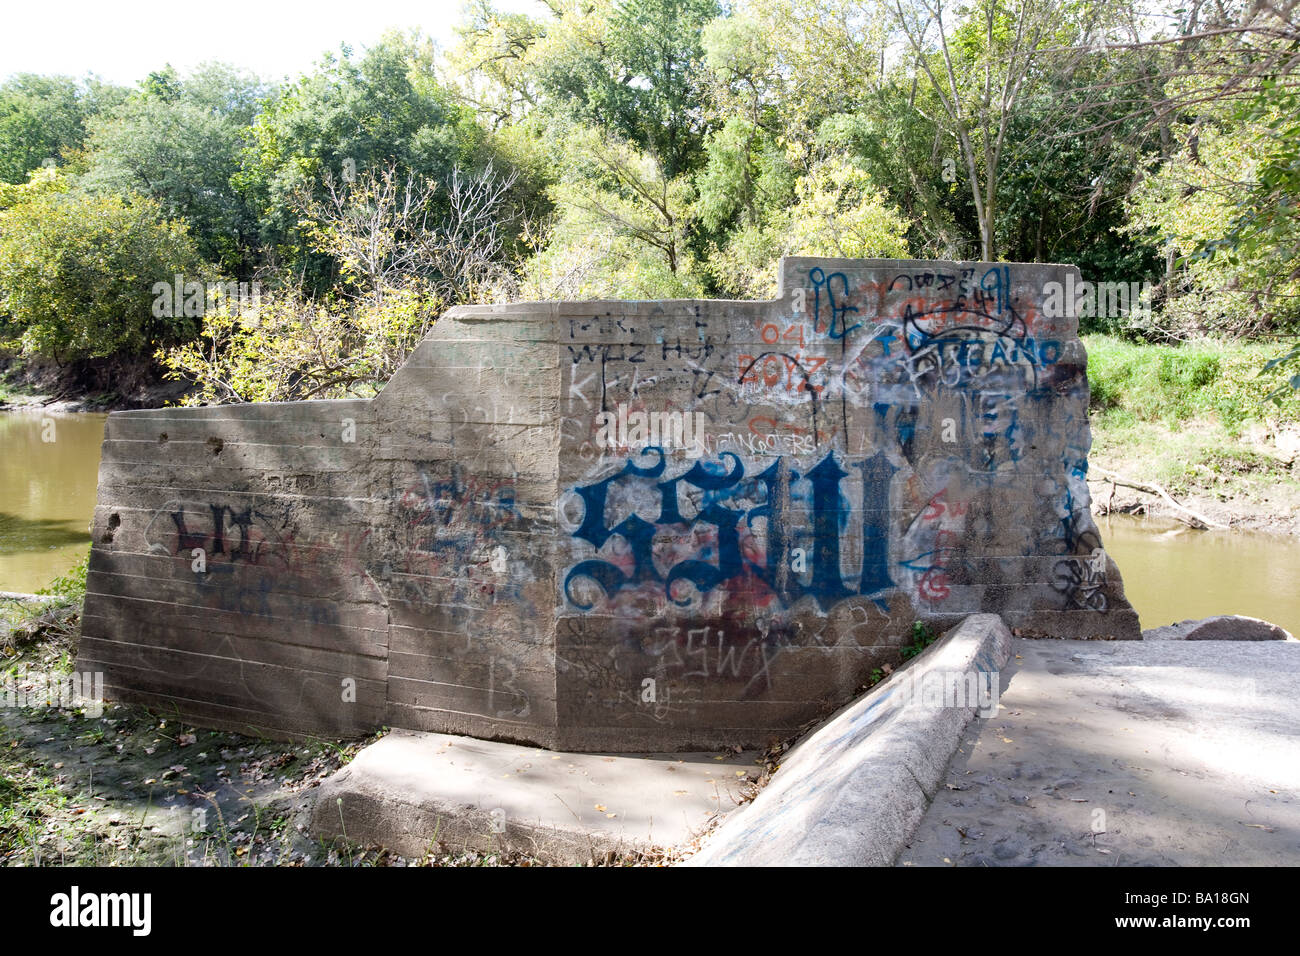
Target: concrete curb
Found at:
854, 791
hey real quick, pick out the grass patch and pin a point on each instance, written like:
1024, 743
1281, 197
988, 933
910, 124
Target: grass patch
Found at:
71, 586
1197, 456
1217, 381
1193, 417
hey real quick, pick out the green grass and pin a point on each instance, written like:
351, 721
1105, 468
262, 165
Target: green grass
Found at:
1189, 416
71, 585
1212, 381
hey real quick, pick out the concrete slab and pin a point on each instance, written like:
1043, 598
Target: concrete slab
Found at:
1128, 754
409, 789
852, 792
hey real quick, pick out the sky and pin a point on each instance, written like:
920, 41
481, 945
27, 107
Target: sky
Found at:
123, 40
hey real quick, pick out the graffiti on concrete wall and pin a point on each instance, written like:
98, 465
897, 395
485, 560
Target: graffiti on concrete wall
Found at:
611, 525
839, 451
740, 527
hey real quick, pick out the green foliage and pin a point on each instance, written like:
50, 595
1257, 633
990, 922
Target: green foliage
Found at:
1192, 204
923, 635
1175, 383
660, 149
44, 118
1064, 189
1264, 228
71, 584
621, 229
349, 116
1284, 362
293, 347
838, 211
398, 268
77, 271
180, 142
634, 69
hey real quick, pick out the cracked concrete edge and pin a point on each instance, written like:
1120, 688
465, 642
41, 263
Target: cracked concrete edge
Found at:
853, 792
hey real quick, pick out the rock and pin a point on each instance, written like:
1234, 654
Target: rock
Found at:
1221, 627
1007, 850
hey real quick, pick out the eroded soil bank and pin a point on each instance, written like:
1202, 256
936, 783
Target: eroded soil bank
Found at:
1246, 481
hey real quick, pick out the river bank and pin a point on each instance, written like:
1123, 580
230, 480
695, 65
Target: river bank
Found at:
89, 385
124, 785
1248, 481
1192, 421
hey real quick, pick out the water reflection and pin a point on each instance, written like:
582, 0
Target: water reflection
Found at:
49, 465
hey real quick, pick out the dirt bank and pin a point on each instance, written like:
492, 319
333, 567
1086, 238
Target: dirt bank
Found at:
1247, 480
90, 385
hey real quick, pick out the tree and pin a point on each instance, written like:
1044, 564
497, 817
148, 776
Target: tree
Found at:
1219, 194
43, 118
77, 272
618, 198
181, 142
839, 211
633, 69
348, 116
748, 175
384, 233
980, 66
491, 67
400, 264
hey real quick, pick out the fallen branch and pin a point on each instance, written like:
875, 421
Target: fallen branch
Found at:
1198, 520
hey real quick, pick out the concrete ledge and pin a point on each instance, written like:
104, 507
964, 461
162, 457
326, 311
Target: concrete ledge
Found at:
1221, 627
852, 792
408, 790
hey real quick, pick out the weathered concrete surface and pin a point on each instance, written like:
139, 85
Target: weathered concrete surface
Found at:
277, 507
852, 792
488, 796
1183, 754
1221, 627
614, 525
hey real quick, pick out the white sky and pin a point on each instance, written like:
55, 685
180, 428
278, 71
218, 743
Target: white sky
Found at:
123, 40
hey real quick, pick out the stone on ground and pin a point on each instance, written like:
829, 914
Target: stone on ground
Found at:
1221, 627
